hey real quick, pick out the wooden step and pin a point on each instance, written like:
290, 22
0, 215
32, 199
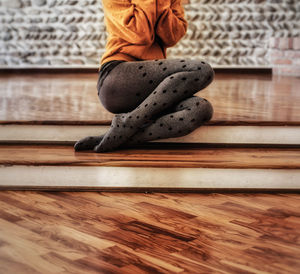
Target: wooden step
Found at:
62, 108
155, 166
212, 133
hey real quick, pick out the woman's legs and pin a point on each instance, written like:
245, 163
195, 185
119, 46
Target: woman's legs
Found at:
130, 83
156, 87
188, 115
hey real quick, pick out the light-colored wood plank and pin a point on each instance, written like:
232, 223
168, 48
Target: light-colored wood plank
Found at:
211, 134
145, 178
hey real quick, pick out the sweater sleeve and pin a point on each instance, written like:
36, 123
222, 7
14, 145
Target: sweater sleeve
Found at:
131, 20
171, 24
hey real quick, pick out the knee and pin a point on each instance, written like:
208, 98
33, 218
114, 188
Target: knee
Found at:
197, 76
207, 70
203, 110
209, 110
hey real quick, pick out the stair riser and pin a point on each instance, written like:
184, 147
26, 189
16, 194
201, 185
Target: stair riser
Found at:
78, 177
273, 135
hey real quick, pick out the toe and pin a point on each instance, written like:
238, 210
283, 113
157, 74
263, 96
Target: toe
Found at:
87, 143
77, 146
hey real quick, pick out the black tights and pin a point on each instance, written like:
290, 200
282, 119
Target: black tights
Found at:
152, 100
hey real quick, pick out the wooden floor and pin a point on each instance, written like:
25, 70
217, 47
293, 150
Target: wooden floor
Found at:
113, 232
153, 155
90, 232
63, 98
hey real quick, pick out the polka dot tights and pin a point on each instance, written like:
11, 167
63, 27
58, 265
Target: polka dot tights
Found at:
152, 100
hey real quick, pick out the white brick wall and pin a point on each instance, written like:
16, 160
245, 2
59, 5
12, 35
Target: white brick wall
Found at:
64, 33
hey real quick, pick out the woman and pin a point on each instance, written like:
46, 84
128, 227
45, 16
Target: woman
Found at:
151, 96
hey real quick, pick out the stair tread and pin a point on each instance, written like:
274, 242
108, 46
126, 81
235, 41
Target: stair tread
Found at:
153, 155
63, 99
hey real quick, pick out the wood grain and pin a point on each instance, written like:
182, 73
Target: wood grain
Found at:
213, 157
98, 232
71, 98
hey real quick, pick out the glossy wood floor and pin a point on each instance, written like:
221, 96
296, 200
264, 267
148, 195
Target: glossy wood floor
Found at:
72, 98
85, 232
154, 155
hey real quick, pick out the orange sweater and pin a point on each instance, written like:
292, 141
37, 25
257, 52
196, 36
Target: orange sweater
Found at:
142, 29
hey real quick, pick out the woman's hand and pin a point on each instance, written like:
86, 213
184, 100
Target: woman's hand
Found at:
133, 21
171, 24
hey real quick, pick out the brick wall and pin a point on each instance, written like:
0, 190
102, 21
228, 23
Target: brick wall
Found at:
227, 33
285, 55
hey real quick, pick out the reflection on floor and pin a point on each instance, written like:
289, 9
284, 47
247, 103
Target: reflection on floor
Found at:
73, 97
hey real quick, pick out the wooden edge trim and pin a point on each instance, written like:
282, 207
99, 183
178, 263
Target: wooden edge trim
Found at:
108, 122
150, 190
242, 70
170, 164
159, 145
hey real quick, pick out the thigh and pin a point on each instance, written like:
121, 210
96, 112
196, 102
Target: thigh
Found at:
128, 84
